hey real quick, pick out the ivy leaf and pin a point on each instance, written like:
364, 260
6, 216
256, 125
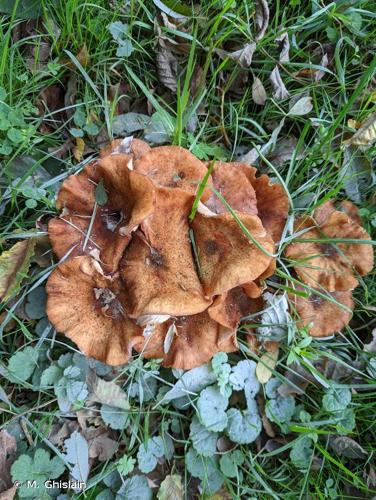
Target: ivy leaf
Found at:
79, 118
128, 123
77, 454
336, 399
346, 421
118, 30
22, 364
38, 468
243, 377
271, 388
125, 49
280, 409
229, 463
211, 407
115, 418
135, 488
191, 382
171, 488
51, 375
155, 448
243, 426
205, 469
301, 453
14, 265
203, 441
35, 306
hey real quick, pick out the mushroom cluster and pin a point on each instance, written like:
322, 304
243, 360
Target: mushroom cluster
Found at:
332, 252
139, 273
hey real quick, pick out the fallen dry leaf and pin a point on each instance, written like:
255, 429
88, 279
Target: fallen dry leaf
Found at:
9, 494
166, 66
266, 364
284, 47
279, 90
242, 56
262, 18
79, 148
366, 134
8, 448
14, 264
258, 92
171, 488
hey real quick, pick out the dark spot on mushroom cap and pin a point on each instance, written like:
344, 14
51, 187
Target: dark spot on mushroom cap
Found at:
211, 247
328, 249
316, 301
156, 258
107, 301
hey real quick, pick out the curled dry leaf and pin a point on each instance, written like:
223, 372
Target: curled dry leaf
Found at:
258, 92
242, 56
284, 47
366, 134
166, 66
279, 90
262, 18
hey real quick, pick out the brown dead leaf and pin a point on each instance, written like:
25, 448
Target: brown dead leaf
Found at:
167, 65
9, 494
101, 446
79, 148
171, 488
279, 90
14, 264
258, 92
284, 47
262, 18
366, 134
266, 364
8, 449
347, 447
242, 56
83, 57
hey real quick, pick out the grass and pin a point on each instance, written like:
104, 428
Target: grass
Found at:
213, 114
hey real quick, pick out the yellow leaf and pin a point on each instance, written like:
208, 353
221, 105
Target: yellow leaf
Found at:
266, 364
353, 123
366, 134
14, 264
79, 148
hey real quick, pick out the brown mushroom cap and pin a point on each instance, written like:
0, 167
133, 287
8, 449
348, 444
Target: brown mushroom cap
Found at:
173, 167
323, 212
77, 193
331, 265
272, 201
195, 340
158, 267
229, 307
89, 308
235, 188
129, 192
136, 148
68, 234
325, 317
227, 258
130, 200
